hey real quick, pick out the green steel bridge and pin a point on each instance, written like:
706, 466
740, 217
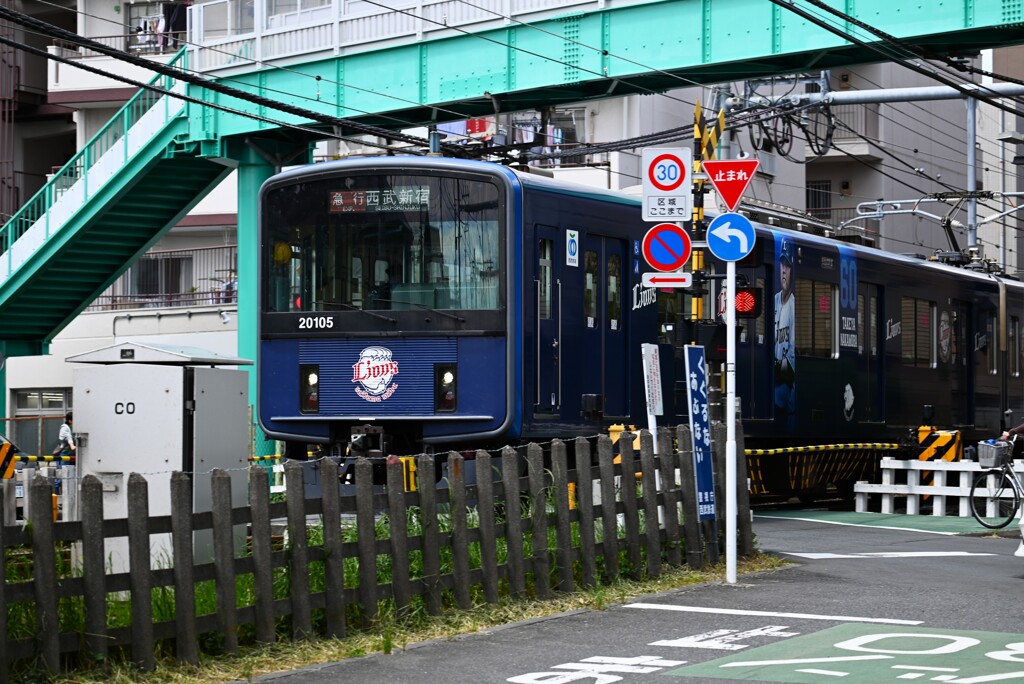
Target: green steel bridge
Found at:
428, 62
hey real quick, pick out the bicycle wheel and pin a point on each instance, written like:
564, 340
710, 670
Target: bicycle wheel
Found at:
994, 499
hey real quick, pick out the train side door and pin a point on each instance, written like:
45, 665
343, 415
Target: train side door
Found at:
547, 322
871, 352
604, 338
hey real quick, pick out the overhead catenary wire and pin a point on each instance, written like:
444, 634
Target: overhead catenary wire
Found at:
975, 92
277, 67
665, 136
182, 75
193, 100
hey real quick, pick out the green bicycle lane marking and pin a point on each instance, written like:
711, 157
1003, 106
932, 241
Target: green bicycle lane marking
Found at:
868, 654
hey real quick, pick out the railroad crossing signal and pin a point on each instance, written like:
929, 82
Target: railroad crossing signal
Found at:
747, 302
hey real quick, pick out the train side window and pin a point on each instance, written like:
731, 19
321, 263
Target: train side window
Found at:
993, 357
873, 323
1014, 333
832, 314
669, 310
867, 325
614, 296
862, 333
544, 249
933, 335
591, 269
759, 323
918, 332
815, 310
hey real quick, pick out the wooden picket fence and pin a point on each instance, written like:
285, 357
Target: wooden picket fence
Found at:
558, 529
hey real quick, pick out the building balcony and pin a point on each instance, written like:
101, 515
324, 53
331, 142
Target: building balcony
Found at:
174, 278
71, 86
856, 125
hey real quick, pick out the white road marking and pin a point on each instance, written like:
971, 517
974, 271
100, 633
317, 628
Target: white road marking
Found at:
887, 554
808, 661
764, 613
830, 673
927, 668
722, 639
846, 524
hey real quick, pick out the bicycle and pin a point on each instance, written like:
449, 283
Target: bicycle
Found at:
996, 492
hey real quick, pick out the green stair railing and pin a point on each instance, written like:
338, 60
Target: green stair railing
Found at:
77, 168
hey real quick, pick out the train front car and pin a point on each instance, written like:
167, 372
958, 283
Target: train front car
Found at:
383, 315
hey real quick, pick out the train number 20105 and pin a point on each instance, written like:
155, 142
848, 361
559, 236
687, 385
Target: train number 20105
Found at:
315, 322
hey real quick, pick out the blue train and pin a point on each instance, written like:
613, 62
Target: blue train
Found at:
423, 303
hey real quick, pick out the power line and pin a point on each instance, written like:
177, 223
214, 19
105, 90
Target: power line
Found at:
319, 79
976, 93
182, 96
182, 75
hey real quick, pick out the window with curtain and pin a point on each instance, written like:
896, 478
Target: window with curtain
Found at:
815, 314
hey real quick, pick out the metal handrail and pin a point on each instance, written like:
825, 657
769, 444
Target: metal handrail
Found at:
207, 275
79, 165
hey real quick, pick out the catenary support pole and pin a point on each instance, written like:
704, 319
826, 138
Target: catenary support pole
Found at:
972, 170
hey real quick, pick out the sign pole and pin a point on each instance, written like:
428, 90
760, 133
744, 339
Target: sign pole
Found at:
730, 422
730, 237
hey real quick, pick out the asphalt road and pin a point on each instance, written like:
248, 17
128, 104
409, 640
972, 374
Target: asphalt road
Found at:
863, 603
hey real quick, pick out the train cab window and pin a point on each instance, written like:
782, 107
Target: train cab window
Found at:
544, 249
614, 294
918, 332
591, 272
1014, 346
397, 241
815, 314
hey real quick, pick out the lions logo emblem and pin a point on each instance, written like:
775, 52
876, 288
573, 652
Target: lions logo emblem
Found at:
374, 372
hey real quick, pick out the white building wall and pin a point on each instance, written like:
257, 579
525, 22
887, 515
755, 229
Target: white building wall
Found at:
95, 330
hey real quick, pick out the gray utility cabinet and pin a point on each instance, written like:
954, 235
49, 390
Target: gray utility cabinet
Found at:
153, 409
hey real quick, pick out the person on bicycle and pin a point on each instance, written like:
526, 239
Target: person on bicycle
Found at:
1011, 436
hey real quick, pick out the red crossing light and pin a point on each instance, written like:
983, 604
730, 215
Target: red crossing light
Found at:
748, 302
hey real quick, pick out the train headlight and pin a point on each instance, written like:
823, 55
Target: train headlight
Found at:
309, 388
445, 391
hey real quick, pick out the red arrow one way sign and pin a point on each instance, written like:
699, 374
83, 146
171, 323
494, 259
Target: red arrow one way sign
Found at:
662, 280
730, 177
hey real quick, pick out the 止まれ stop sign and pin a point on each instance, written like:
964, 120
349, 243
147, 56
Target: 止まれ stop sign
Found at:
667, 247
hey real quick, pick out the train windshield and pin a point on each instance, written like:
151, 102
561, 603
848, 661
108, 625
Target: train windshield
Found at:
382, 242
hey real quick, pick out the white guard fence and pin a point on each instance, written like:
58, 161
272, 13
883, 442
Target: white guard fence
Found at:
944, 485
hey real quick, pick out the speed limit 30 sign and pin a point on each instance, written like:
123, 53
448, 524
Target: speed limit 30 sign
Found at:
666, 184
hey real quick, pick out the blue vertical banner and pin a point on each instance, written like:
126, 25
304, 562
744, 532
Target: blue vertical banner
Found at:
700, 430
849, 335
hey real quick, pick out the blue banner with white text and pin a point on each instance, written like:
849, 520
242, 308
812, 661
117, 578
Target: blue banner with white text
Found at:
700, 430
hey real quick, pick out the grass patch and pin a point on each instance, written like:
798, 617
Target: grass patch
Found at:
391, 634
